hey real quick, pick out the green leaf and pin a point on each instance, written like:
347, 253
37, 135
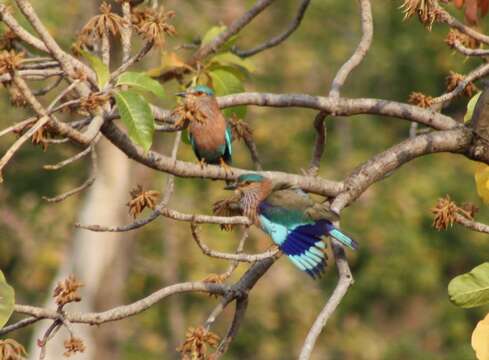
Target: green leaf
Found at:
102, 71
228, 58
471, 289
212, 33
136, 114
215, 31
225, 83
141, 81
7, 300
471, 106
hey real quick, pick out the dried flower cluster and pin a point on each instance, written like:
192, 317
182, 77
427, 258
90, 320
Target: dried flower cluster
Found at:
152, 24
427, 11
141, 199
66, 291
454, 36
92, 102
10, 61
446, 212
40, 137
7, 41
106, 22
188, 112
11, 350
196, 344
420, 99
215, 279
16, 97
73, 345
454, 79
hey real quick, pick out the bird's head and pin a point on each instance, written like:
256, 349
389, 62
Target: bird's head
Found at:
198, 91
248, 182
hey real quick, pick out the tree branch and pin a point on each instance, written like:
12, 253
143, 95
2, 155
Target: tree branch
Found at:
277, 40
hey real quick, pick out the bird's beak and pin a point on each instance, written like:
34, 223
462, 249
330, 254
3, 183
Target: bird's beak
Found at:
181, 94
231, 186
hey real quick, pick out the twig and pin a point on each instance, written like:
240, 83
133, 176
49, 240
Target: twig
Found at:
234, 265
360, 51
125, 311
20, 141
471, 224
105, 49
172, 214
23, 34
469, 52
344, 282
413, 129
445, 17
126, 31
478, 73
19, 126
48, 335
319, 144
131, 61
89, 182
276, 40
69, 160
62, 94
239, 313
19, 325
220, 39
227, 256
49, 88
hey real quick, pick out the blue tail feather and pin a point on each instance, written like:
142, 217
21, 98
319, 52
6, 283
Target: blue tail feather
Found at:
344, 239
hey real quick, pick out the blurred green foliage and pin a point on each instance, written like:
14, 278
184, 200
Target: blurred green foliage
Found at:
398, 307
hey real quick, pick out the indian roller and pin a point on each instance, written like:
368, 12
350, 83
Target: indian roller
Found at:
210, 137
292, 219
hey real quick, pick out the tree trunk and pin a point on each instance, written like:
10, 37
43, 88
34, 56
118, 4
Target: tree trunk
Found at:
97, 259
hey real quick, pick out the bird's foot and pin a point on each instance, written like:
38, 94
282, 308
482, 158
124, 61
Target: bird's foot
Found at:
181, 122
225, 166
202, 164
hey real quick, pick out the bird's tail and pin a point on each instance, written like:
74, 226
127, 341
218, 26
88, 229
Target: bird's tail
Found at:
341, 237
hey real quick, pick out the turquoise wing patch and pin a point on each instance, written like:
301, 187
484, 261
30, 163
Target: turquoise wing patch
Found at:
229, 139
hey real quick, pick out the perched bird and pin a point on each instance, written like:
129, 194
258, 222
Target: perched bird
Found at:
209, 133
293, 220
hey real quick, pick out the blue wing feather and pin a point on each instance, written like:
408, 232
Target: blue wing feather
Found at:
299, 237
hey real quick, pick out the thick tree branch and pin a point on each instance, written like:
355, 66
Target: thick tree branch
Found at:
456, 141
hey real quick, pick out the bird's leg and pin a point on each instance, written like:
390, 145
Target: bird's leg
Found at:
225, 166
202, 163
182, 122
